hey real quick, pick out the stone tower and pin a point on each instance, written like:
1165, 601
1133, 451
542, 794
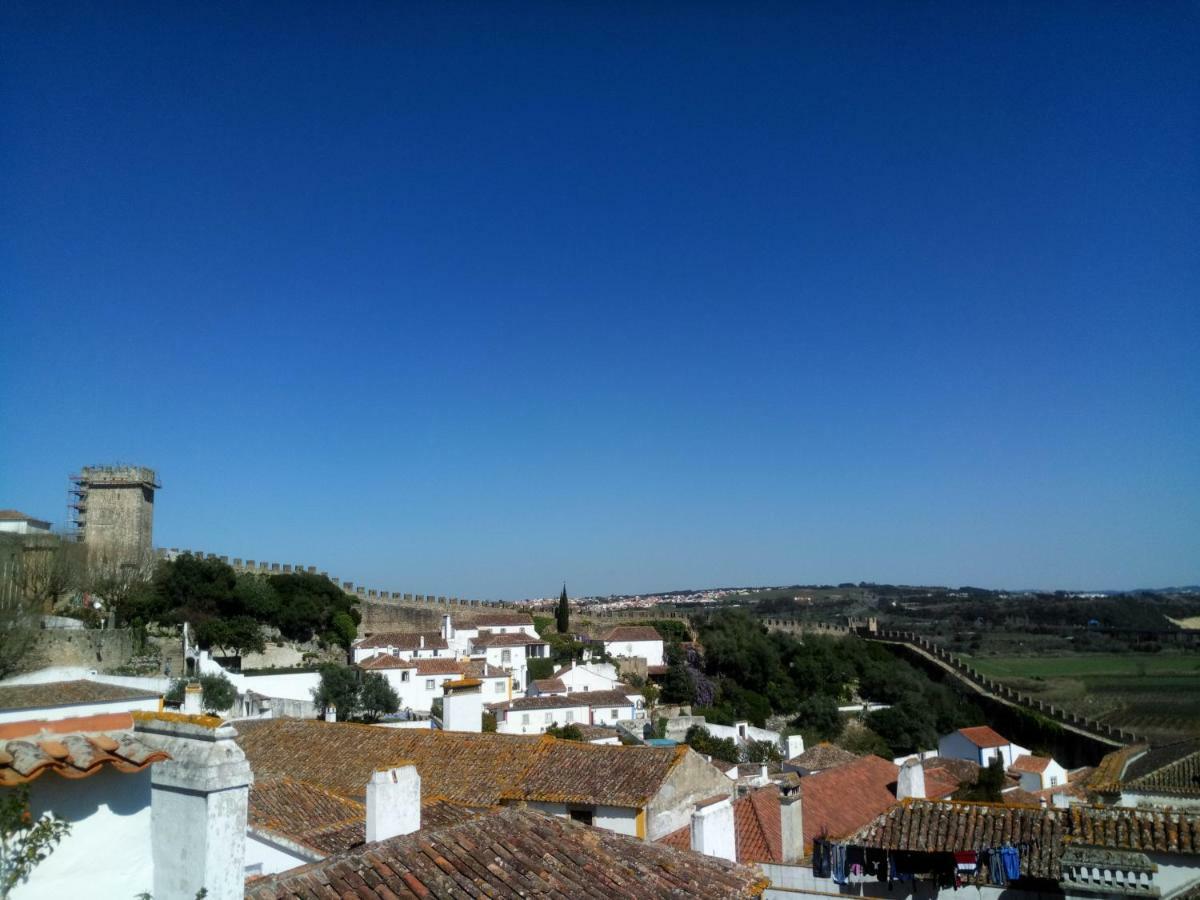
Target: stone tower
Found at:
113, 511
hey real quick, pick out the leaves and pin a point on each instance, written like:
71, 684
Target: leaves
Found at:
24, 841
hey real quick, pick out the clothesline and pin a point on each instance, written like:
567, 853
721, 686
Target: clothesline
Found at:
849, 863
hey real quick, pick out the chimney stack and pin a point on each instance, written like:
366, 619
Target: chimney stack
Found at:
462, 705
421, 638
192, 696
911, 781
791, 821
393, 803
447, 628
713, 830
795, 746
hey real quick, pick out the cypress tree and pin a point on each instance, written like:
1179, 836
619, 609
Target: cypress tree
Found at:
562, 613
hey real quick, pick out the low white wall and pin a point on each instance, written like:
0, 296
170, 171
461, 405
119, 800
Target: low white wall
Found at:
108, 852
620, 819
266, 857
148, 704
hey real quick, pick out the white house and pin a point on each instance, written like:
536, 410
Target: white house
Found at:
980, 744
590, 676
14, 522
418, 682
633, 642
509, 651
533, 715
1038, 773
401, 644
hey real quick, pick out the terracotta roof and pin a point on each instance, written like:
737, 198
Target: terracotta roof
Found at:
563, 701
387, 661
72, 748
939, 783
509, 854
758, 831
440, 666
1171, 769
499, 619
571, 772
1035, 765
12, 515
984, 736
1108, 774
595, 732
823, 756
963, 771
614, 697
403, 640
478, 668
511, 639
550, 685
67, 693
840, 800
327, 822
629, 633
474, 769
657, 670
933, 826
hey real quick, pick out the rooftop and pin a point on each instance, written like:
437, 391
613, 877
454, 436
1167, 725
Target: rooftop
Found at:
1172, 769
67, 693
73, 748
550, 685
939, 826
469, 768
983, 736
1033, 764
757, 829
823, 756
509, 854
499, 619
12, 515
510, 639
629, 633
403, 640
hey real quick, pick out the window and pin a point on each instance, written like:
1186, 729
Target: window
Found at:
549, 718
429, 684
499, 687
505, 656
395, 651
570, 716
404, 675
524, 718
581, 815
614, 713
436, 652
1053, 781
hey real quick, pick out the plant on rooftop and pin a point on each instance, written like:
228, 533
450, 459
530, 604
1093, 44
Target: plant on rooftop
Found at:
24, 841
699, 739
489, 723
988, 784
762, 751
565, 733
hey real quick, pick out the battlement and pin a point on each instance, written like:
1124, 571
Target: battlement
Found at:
118, 476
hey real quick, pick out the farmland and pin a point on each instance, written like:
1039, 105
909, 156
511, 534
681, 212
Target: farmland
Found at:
1153, 694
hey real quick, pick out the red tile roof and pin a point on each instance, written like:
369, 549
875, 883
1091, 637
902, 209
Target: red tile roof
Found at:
938, 826
1035, 765
513, 853
440, 666
403, 640
550, 685
629, 633
511, 639
839, 801
984, 736
50, 747
823, 756
387, 661
757, 828
12, 515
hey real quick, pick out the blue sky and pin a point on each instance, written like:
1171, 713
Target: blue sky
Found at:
473, 298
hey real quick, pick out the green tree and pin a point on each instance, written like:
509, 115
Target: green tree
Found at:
217, 693
818, 719
236, 636
562, 613
376, 697
565, 733
699, 739
339, 688
988, 783
24, 841
489, 723
345, 628
763, 751
864, 741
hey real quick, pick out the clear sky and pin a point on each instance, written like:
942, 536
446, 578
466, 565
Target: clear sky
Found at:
471, 299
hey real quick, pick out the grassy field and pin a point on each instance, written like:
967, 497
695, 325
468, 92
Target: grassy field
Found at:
1153, 694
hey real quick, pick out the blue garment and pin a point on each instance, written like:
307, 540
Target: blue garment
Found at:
1012, 863
839, 864
996, 868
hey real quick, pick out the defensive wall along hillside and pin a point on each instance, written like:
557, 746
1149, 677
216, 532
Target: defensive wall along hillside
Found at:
387, 610
1076, 737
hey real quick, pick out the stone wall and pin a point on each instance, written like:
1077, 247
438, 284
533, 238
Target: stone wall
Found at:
91, 649
116, 510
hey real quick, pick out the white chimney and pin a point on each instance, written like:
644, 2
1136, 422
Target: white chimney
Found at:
712, 828
421, 637
331, 713
795, 746
462, 705
447, 628
791, 822
192, 696
393, 803
911, 781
